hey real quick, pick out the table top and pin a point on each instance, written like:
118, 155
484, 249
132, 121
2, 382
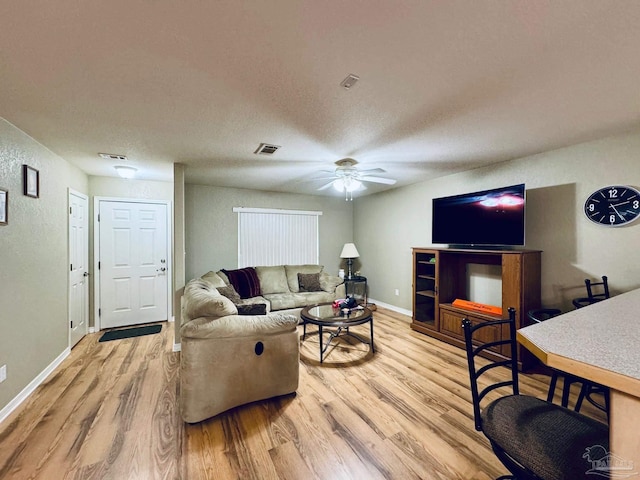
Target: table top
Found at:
326, 315
600, 342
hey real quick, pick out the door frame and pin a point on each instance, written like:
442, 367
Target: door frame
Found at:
71, 191
96, 251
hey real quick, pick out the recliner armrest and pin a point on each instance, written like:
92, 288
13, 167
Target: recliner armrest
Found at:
239, 326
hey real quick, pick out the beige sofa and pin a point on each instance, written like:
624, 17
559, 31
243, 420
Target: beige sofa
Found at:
229, 359
280, 288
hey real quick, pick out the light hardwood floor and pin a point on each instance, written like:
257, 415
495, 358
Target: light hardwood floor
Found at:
111, 412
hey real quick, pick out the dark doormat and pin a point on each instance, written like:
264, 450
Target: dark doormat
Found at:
130, 332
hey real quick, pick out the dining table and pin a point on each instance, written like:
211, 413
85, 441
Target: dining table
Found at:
601, 343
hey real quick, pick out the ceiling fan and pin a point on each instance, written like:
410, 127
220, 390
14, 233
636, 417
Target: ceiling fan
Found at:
348, 179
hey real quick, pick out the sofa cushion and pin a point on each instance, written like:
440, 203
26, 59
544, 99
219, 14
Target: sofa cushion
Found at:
329, 283
202, 300
281, 301
303, 299
229, 292
293, 271
245, 281
309, 282
214, 279
272, 279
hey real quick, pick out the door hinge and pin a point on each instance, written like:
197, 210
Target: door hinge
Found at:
98, 217
70, 210
71, 267
99, 312
71, 323
98, 265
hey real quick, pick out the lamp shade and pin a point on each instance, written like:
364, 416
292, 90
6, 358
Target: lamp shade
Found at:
349, 251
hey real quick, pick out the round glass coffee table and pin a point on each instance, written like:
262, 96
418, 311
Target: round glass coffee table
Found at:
325, 315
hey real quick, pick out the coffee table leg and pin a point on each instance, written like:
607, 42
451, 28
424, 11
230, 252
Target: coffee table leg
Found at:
373, 349
320, 333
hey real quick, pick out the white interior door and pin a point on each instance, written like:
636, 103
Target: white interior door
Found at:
79, 266
133, 263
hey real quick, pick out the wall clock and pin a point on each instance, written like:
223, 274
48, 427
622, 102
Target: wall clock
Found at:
613, 206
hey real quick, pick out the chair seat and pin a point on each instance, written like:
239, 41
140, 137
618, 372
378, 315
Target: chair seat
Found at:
547, 439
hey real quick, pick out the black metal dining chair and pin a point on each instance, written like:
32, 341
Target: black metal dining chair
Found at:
596, 292
534, 439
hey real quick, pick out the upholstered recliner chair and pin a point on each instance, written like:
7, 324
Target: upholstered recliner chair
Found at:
229, 359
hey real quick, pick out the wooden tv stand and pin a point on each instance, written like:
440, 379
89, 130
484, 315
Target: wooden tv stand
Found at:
440, 277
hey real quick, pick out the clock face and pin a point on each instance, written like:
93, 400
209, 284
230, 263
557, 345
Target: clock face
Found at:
613, 206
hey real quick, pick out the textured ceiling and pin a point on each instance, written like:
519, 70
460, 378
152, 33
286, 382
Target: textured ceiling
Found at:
444, 86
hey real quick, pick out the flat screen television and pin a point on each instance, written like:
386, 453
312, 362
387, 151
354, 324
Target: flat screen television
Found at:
488, 218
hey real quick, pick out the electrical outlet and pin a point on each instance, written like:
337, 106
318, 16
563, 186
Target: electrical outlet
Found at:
3, 373
397, 292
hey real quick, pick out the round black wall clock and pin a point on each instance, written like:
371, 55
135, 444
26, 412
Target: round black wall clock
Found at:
613, 206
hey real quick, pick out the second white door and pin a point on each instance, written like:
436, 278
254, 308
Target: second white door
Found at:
133, 263
78, 266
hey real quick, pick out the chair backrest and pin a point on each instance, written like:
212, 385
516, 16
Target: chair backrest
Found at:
541, 314
604, 291
475, 348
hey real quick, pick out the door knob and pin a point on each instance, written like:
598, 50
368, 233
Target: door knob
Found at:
161, 269
85, 274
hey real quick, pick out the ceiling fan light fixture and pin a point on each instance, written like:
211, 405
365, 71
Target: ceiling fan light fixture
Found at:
347, 184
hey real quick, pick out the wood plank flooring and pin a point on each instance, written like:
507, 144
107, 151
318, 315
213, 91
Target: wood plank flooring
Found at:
111, 412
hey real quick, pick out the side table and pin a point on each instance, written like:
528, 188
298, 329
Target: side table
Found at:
357, 287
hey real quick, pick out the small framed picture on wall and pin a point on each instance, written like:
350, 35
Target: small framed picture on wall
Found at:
4, 207
31, 179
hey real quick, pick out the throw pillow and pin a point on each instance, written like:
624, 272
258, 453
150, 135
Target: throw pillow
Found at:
293, 271
253, 309
309, 282
245, 281
230, 293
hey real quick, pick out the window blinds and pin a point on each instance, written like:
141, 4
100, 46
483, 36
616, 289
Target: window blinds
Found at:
277, 237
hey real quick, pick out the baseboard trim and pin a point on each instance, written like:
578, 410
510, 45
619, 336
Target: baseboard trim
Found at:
29, 389
403, 311
177, 347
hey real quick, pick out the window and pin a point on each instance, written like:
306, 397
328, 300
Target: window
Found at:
277, 237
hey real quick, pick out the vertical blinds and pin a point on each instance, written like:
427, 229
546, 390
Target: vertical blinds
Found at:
277, 237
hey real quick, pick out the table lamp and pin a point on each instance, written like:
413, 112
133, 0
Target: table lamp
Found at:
349, 251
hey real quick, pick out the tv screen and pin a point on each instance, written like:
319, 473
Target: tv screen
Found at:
490, 217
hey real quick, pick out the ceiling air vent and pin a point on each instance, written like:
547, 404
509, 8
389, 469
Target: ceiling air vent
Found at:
267, 149
111, 156
350, 81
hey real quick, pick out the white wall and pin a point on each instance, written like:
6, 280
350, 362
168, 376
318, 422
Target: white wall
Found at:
33, 260
557, 182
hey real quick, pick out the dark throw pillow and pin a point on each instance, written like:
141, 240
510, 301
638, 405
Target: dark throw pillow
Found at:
254, 309
245, 281
309, 282
230, 293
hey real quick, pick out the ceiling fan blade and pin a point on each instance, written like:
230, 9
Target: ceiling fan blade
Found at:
324, 177
326, 185
386, 181
372, 170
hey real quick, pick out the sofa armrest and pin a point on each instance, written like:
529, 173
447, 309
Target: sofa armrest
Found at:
329, 283
239, 326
